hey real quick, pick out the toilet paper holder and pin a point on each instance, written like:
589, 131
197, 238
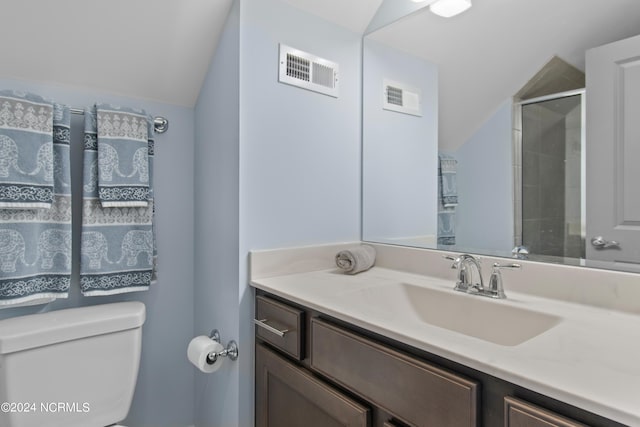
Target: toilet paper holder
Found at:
231, 351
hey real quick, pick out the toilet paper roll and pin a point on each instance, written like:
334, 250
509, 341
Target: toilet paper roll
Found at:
198, 350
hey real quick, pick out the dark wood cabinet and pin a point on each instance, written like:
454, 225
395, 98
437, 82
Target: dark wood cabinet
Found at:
292, 387
519, 413
281, 326
325, 372
289, 396
416, 392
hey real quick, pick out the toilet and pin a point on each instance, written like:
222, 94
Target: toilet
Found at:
70, 368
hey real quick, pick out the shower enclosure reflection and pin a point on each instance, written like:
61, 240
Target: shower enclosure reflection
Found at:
552, 190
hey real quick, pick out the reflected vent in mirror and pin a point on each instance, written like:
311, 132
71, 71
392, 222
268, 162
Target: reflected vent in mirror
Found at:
394, 96
302, 69
401, 98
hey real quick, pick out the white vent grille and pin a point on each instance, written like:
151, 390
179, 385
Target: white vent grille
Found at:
323, 75
308, 71
401, 98
297, 67
394, 96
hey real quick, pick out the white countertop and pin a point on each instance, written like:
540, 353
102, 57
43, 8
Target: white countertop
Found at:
590, 359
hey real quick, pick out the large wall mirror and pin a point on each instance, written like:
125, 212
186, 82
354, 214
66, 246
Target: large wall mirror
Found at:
478, 132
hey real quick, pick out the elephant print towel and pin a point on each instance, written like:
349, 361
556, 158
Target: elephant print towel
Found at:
123, 160
26, 151
117, 246
447, 199
35, 243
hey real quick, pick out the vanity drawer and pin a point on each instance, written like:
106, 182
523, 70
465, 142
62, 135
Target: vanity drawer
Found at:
518, 413
280, 325
415, 392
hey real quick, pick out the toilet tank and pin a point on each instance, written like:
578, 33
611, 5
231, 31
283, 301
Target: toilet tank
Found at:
74, 367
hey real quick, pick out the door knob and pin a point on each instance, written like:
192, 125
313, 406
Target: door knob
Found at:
600, 242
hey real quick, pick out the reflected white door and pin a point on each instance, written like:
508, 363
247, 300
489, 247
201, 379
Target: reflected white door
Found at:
613, 154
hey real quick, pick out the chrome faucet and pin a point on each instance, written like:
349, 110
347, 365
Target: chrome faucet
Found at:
466, 264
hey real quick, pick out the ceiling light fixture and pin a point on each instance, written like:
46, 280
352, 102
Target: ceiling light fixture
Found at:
449, 8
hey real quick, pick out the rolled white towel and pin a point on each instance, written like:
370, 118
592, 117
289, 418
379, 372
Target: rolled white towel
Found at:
356, 259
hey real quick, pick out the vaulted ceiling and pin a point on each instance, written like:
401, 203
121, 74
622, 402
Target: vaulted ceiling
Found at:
152, 49
161, 49
488, 53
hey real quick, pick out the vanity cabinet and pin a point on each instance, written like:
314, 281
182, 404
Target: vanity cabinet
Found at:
316, 370
348, 379
289, 396
518, 413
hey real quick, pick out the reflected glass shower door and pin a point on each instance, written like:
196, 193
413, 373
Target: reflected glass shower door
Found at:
553, 221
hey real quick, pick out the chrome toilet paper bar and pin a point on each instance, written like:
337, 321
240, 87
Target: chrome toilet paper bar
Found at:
231, 351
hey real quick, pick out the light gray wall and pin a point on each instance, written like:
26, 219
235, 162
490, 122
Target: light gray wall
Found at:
298, 161
299, 152
484, 216
400, 151
217, 223
164, 393
275, 166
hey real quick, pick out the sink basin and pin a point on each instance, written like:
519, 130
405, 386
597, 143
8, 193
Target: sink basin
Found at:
498, 322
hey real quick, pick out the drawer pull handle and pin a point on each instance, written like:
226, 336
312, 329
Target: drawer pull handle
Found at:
262, 323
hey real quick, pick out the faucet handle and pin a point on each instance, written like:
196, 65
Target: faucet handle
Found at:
496, 288
456, 261
497, 266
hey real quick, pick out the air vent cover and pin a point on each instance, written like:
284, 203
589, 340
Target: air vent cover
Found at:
401, 98
302, 69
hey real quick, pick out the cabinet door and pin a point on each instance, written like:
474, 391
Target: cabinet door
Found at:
288, 396
519, 413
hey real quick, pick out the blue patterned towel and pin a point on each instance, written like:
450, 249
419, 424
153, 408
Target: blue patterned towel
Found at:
35, 244
117, 248
122, 147
26, 151
447, 227
447, 199
447, 175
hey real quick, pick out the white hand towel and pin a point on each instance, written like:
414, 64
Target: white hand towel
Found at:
356, 259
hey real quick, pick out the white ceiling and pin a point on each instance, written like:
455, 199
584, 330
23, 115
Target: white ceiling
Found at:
486, 54
153, 49
161, 49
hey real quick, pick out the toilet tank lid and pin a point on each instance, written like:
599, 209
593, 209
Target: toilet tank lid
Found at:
37, 330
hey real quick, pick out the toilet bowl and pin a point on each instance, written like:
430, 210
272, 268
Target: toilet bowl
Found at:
70, 368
